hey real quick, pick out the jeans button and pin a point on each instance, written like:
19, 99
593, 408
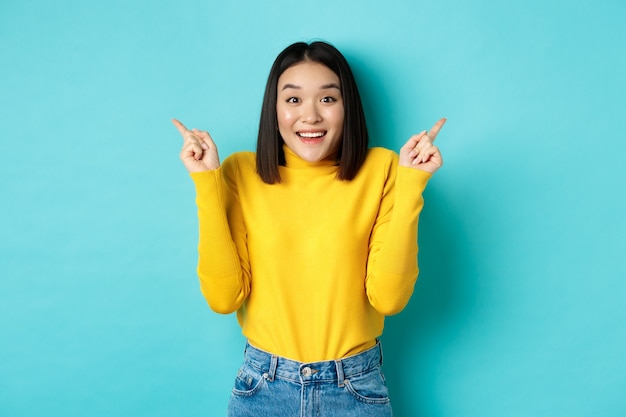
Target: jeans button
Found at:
306, 371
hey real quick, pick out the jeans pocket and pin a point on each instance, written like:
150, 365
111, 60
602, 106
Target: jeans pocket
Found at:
248, 382
369, 388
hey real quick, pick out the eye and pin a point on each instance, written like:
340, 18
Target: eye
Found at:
328, 99
293, 100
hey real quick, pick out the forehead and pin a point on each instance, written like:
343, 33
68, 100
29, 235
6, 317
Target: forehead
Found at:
308, 74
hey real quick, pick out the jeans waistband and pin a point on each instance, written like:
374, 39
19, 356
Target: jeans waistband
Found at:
334, 370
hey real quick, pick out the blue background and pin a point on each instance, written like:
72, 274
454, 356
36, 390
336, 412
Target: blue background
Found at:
519, 310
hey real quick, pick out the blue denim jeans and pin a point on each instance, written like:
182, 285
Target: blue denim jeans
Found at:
269, 385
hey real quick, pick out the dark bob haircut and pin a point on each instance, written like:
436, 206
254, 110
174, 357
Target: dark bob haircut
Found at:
353, 149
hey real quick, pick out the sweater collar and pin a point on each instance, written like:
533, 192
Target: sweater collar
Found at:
294, 161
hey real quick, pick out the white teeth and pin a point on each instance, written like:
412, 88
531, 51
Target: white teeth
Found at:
311, 134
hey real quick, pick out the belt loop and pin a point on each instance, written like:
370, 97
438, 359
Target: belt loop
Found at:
273, 366
340, 375
380, 350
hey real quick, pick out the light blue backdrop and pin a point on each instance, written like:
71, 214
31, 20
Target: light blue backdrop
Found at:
519, 310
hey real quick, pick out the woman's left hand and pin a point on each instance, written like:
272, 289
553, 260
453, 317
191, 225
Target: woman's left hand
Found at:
420, 153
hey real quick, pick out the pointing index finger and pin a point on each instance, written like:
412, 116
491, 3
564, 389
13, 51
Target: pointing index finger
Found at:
181, 127
434, 131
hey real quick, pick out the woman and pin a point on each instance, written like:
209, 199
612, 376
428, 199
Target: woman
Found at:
312, 240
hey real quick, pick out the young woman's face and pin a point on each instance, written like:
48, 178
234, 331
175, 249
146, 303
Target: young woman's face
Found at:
310, 110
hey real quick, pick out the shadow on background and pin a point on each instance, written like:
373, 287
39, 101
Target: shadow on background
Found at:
411, 338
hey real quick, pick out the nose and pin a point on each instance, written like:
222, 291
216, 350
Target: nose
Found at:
310, 113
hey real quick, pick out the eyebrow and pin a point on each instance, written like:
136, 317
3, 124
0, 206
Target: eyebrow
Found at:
323, 87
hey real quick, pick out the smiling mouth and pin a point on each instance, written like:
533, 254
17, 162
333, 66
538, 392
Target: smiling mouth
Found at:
311, 135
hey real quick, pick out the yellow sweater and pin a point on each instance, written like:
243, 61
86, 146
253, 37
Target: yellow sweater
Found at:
312, 265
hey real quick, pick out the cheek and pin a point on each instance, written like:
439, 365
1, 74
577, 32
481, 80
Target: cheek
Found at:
336, 117
285, 116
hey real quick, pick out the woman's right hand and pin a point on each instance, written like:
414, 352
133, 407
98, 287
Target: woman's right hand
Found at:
199, 152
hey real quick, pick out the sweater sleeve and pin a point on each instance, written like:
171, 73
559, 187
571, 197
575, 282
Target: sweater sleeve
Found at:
222, 257
392, 263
